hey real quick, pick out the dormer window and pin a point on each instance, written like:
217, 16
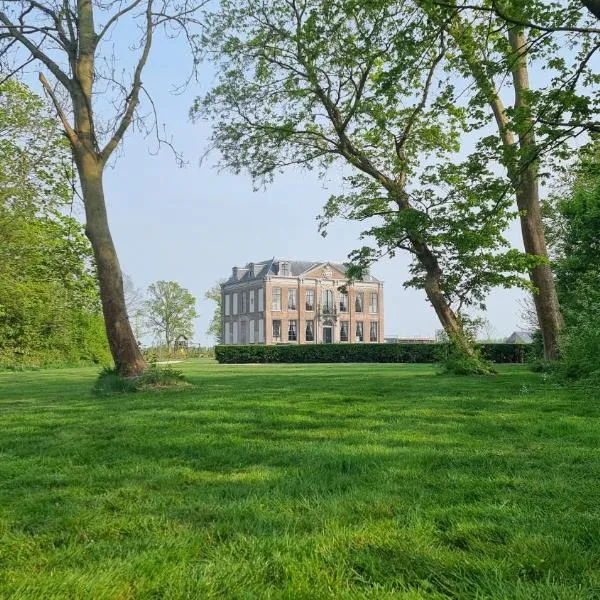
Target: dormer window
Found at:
284, 269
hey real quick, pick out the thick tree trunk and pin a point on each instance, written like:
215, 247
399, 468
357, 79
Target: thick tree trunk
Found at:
123, 345
433, 288
528, 202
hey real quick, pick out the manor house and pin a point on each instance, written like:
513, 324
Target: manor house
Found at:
297, 302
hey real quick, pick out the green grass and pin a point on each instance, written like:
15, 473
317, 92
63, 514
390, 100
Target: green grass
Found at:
284, 481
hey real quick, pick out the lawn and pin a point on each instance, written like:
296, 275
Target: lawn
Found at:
313, 481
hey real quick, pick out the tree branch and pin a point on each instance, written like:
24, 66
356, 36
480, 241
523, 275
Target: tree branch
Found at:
134, 96
71, 134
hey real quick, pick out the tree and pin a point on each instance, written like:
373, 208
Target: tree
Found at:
64, 39
215, 328
49, 305
488, 58
134, 300
577, 265
171, 310
316, 83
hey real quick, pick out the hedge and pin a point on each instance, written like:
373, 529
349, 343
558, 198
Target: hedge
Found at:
370, 353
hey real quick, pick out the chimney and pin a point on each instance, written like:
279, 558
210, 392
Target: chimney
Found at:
234, 273
251, 269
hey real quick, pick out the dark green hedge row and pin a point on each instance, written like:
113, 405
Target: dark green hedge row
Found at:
375, 353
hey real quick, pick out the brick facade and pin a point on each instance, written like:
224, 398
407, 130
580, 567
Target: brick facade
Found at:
262, 300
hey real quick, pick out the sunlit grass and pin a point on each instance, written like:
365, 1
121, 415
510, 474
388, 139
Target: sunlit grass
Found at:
313, 481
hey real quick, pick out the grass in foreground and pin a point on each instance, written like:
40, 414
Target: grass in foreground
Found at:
283, 481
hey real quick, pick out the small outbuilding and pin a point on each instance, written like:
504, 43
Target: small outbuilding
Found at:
519, 337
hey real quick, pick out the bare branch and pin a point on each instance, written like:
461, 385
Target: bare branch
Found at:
71, 134
35, 51
134, 96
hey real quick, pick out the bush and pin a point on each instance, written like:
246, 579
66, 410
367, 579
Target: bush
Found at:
153, 378
456, 361
365, 353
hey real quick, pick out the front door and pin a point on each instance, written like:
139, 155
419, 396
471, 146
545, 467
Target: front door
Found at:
327, 335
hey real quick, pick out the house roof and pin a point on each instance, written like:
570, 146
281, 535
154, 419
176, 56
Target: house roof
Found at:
519, 337
272, 267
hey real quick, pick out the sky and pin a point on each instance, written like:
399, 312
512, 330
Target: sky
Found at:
193, 224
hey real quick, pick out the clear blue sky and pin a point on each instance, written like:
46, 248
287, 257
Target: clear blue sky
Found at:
192, 224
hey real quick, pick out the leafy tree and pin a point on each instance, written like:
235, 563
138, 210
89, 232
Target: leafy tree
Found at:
359, 85
49, 305
578, 266
499, 42
170, 310
72, 42
134, 300
215, 329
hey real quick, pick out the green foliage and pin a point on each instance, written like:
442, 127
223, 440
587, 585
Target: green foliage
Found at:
336, 83
455, 360
170, 311
215, 329
577, 268
155, 377
357, 353
49, 305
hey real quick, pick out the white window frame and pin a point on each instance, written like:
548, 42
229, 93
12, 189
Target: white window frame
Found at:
274, 306
292, 293
261, 331
376, 331
251, 308
373, 295
251, 332
261, 300
235, 303
235, 332
227, 305
312, 293
227, 332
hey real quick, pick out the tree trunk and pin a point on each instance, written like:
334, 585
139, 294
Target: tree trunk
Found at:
433, 288
528, 202
123, 345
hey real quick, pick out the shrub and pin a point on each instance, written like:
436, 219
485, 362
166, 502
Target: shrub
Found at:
456, 361
153, 378
365, 353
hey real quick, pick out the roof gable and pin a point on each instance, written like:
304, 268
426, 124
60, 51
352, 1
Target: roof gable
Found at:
325, 271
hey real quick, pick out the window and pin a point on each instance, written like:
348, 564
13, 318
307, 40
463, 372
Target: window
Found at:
327, 301
373, 332
284, 269
373, 303
235, 333
359, 301
244, 308
310, 300
227, 304
310, 331
251, 332
242, 332
292, 330
228, 333
276, 305
276, 330
343, 331
251, 300
261, 300
235, 303
359, 332
261, 331
343, 302
292, 299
